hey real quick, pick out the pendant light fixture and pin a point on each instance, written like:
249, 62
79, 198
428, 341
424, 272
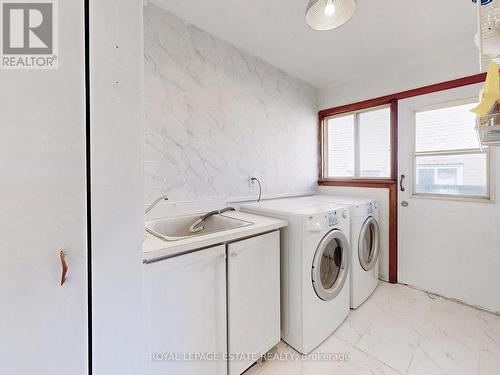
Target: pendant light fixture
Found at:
329, 14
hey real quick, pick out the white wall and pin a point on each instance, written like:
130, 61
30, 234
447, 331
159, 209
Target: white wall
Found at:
459, 60
216, 115
382, 197
116, 42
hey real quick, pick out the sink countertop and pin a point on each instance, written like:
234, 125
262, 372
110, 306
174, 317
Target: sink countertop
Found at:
154, 247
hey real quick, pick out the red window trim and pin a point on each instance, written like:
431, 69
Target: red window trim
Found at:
390, 183
465, 81
357, 181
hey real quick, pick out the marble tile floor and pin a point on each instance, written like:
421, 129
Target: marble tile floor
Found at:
400, 330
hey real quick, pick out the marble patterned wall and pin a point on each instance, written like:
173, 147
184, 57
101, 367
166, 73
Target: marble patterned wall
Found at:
215, 115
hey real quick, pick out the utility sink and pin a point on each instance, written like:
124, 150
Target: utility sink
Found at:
177, 228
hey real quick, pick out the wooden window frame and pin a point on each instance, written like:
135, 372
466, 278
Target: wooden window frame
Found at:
390, 183
322, 138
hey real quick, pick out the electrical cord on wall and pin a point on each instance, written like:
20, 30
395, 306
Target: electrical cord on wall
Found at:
260, 187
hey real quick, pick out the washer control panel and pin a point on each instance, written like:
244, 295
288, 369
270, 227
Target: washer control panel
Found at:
325, 221
328, 220
333, 219
316, 223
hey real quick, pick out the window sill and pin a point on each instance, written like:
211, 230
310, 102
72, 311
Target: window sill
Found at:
453, 198
358, 182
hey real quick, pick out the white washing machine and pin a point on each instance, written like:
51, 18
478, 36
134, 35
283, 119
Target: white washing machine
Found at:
365, 244
315, 263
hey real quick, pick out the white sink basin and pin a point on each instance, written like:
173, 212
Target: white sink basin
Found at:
177, 228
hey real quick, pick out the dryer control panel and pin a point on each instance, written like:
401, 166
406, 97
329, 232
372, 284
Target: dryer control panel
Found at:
371, 207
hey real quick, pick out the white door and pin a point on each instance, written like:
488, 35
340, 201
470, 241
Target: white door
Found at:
185, 314
253, 298
441, 210
43, 325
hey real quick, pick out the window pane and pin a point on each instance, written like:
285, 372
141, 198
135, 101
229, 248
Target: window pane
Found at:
452, 174
449, 128
375, 143
340, 132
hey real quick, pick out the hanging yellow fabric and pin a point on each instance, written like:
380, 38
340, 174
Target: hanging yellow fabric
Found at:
491, 93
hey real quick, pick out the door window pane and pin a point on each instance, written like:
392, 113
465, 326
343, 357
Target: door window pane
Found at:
452, 174
448, 159
375, 143
450, 128
340, 145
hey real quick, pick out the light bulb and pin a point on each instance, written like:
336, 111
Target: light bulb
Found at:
329, 8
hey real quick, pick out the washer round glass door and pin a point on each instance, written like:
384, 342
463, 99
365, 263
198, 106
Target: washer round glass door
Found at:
369, 244
330, 265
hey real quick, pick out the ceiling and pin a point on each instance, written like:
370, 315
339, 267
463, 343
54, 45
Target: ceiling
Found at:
383, 34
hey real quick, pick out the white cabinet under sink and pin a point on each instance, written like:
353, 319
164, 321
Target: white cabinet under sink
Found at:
185, 313
253, 299
188, 312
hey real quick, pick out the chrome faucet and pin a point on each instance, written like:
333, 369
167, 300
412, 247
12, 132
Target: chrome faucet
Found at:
196, 227
152, 205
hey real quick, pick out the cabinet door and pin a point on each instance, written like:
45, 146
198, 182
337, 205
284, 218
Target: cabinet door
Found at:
43, 325
253, 298
185, 314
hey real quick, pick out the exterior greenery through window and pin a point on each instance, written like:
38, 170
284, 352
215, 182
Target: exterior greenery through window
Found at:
358, 145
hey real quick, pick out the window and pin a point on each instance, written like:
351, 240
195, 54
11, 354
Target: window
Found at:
448, 158
440, 175
357, 144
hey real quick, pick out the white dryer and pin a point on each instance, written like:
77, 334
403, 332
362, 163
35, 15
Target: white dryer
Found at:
365, 244
315, 263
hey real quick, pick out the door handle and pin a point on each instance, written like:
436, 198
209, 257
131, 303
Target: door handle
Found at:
64, 266
401, 182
